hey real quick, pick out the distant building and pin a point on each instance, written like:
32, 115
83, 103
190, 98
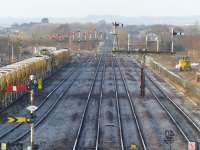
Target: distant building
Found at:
45, 20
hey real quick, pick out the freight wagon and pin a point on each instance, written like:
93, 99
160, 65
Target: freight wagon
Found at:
18, 73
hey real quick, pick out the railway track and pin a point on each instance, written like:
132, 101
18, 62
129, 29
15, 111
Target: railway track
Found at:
90, 123
121, 136
125, 108
46, 112
187, 127
85, 119
108, 137
99, 109
45, 81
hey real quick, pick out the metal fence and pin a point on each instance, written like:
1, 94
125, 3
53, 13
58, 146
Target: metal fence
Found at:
189, 87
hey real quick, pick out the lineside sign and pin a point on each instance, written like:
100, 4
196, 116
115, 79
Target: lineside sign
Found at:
12, 88
11, 146
15, 120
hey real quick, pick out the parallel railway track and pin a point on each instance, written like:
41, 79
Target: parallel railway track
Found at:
140, 136
99, 110
91, 123
184, 123
44, 115
187, 127
121, 134
108, 120
83, 122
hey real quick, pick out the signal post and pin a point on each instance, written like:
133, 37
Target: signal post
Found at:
142, 52
32, 108
32, 86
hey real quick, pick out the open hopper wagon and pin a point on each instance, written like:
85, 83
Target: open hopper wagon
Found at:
18, 73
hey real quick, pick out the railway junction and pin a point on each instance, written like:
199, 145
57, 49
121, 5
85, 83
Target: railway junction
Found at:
94, 102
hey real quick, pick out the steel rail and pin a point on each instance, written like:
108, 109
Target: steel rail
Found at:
171, 117
178, 107
99, 110
86, 106
186, 137
187, 117
118, 108
52, 107
132, 108
43, 101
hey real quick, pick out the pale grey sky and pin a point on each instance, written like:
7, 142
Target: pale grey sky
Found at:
81, 8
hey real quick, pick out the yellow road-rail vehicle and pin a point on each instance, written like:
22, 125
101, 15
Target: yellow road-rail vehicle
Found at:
184, 63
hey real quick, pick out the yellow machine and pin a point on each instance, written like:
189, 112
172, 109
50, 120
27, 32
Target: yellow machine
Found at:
184, 63
40, 84
133, 147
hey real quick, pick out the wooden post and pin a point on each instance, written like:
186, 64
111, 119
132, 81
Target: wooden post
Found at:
142, 86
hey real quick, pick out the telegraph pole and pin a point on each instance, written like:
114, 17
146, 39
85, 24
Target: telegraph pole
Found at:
12, 52
95, 35
96, 40
101, 36
146, 40
70, 41
79, 40
9, 57
73, 36
157, 41
90, 40
85, 36
172, 39
128, 42
73, 40
142, 85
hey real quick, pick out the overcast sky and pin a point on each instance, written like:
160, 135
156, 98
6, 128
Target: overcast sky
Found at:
81, 8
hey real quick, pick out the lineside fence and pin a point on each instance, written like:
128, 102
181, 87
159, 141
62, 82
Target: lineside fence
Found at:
158, 68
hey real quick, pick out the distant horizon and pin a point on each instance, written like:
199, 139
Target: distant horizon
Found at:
133, 20
107, 15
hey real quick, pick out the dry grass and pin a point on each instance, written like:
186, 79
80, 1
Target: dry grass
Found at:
170, 62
